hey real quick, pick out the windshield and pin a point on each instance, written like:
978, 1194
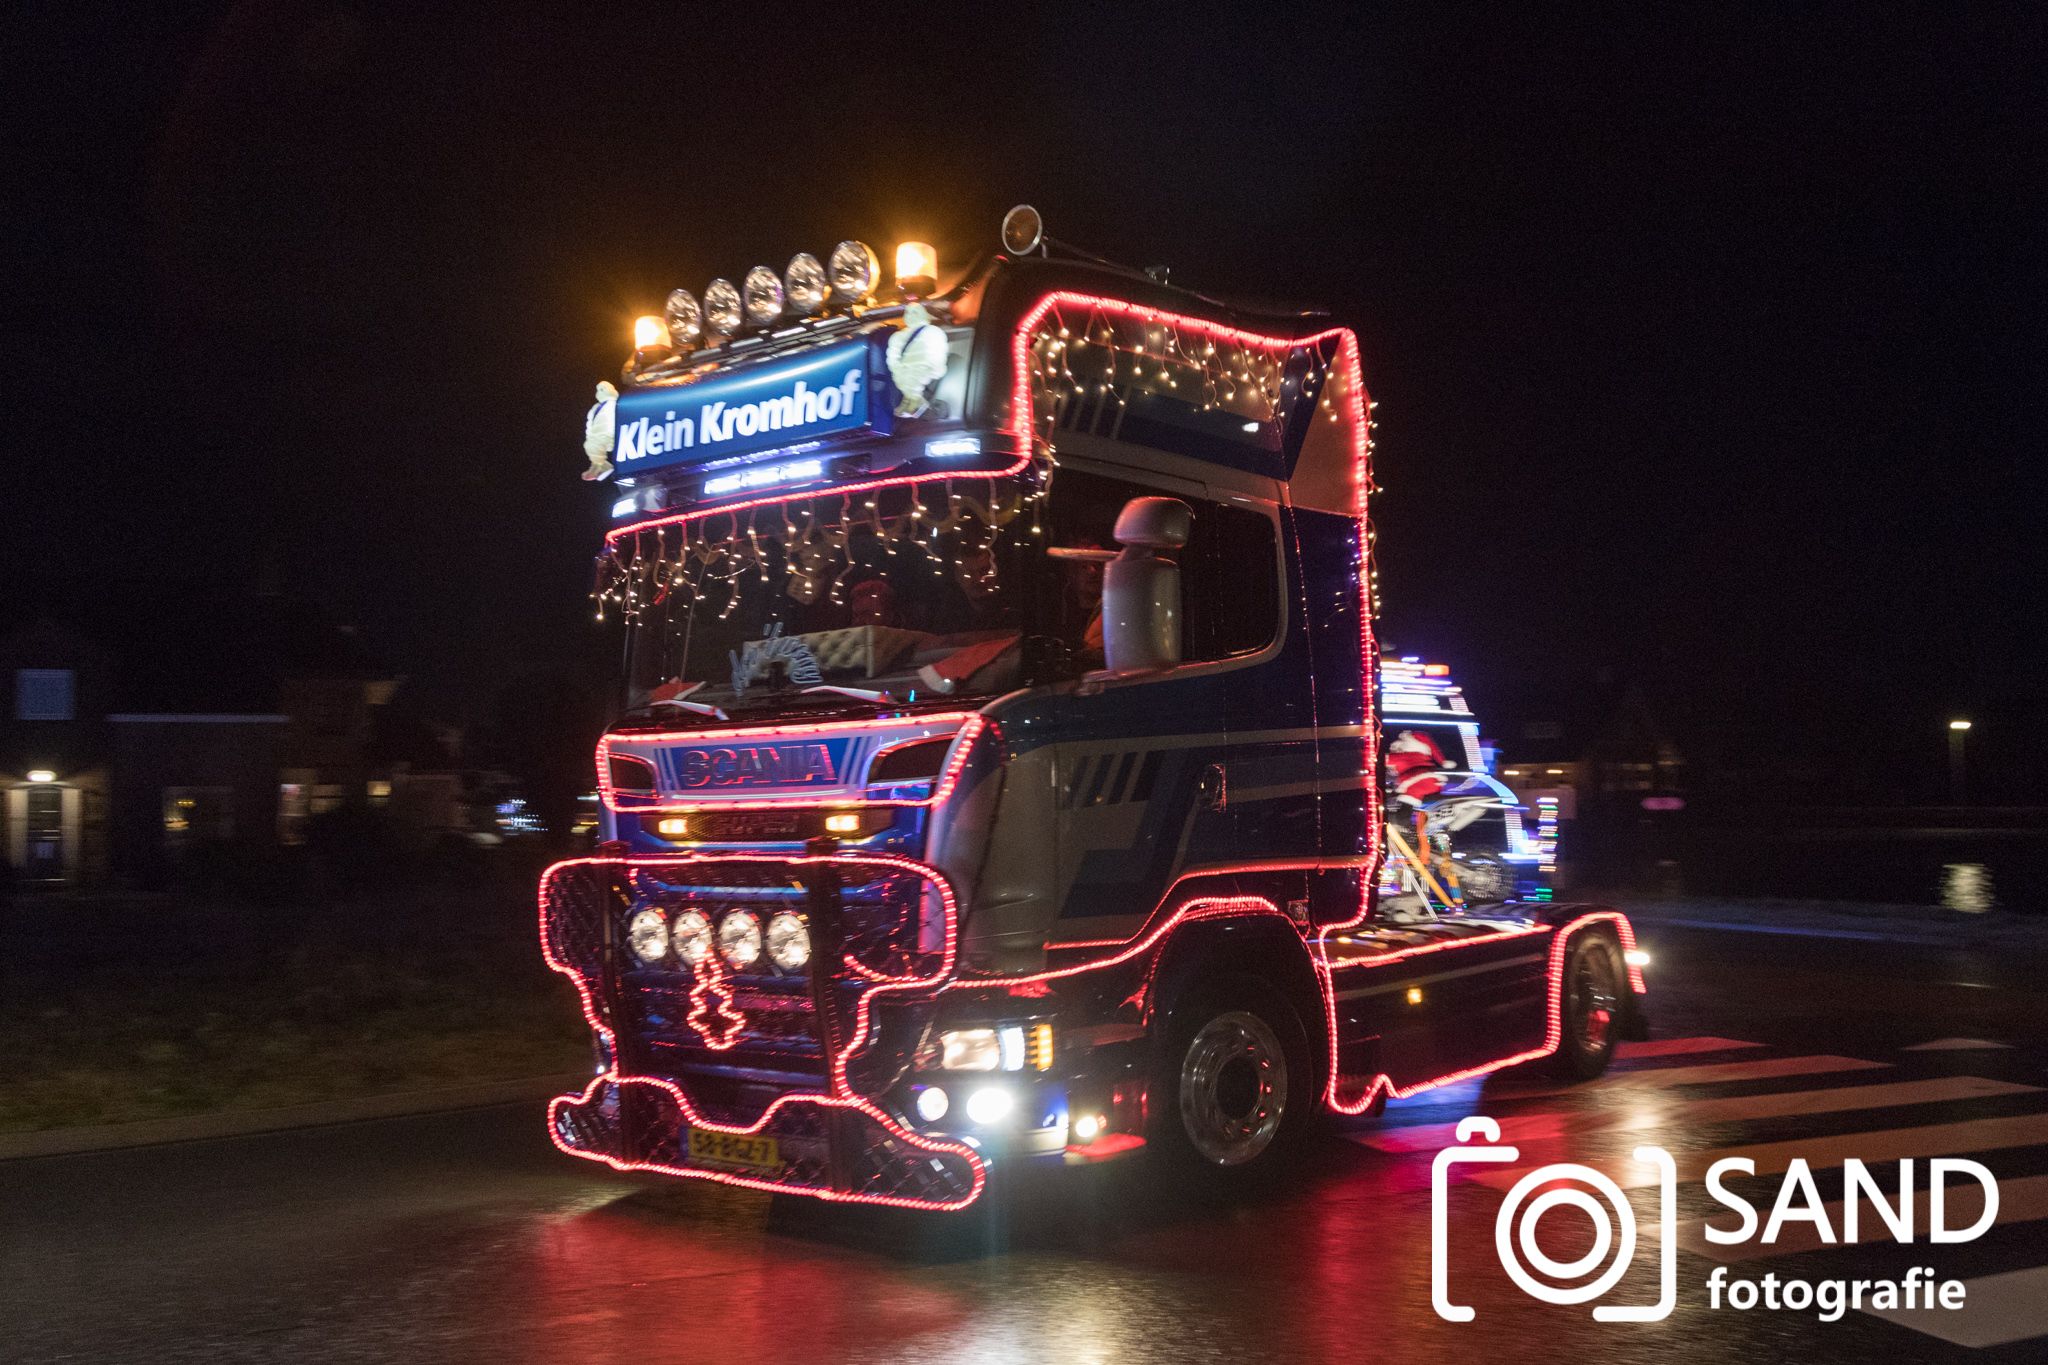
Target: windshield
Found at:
904, 594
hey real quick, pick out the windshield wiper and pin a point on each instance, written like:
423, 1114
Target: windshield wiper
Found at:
680, 700
876, 695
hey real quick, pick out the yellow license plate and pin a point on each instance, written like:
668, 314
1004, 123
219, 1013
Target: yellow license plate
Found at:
733, 1149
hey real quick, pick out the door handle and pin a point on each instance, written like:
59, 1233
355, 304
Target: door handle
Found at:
1212, 788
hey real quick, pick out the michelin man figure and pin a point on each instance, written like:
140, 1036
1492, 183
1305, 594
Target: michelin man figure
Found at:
600, 430
917, 361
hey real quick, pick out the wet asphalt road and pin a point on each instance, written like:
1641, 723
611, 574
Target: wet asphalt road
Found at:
467, 1237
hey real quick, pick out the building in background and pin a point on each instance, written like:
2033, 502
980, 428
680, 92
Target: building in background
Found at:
130, 742
1600, 751
54, 754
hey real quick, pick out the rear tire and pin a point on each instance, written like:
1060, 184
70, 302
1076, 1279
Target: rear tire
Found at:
1593, 1006
1236, 1085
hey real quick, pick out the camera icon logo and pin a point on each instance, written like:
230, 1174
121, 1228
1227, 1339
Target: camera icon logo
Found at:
1562, 1184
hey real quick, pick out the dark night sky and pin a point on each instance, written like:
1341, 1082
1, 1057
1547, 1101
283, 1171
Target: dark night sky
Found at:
1707, 345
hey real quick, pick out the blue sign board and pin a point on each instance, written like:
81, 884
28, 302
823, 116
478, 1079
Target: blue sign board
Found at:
818, 393
741, 766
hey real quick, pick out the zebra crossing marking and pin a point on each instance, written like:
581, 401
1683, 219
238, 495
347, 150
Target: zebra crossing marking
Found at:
1678, 1047
1958, 1045
1997, 1310
1765, 1069
1554, 1124
1822, 1152
1834, 1100
2020, 1200
1460, 1097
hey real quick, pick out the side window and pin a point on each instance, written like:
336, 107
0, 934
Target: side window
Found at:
1230, 584
1230, 589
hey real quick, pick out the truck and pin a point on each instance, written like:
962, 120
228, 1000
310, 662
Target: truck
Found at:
995, 781
1460, 836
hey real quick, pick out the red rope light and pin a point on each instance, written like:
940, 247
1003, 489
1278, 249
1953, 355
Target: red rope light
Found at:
840, 1094
711, 1012
1023, 421
935, 1146
1553, 1025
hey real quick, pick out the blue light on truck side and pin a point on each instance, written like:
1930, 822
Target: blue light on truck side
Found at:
764, 476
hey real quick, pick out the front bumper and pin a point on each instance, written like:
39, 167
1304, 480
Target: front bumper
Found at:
695, 1050
829, 1147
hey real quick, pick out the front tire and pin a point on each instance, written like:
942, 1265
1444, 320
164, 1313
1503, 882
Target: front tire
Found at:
1591, 1012
1236, 1083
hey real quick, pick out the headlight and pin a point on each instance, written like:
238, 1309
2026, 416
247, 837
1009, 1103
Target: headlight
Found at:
722, 308
1008, 1047
855, 272
739, 938
691, 935
647, 936
685, 320
804, 279
789, 941
931, 1104
763, 296
970, 1049
990, 1105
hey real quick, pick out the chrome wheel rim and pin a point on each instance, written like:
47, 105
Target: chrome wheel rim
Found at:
1596, 997
1482, 879
1233, 1088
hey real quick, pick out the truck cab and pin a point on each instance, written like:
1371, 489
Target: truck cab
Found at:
996, 774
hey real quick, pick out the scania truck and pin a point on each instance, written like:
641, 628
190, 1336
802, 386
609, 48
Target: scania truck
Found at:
996, 778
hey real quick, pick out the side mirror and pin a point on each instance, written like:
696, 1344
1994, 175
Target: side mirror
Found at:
1141, 587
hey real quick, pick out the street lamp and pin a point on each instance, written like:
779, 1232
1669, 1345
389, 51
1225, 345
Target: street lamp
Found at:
1958, 731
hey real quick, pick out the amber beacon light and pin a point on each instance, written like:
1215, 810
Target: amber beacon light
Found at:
917, 269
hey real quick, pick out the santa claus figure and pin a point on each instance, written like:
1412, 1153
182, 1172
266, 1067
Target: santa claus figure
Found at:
1409, 753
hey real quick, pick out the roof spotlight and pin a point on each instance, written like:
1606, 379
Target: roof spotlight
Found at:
722, 308
685, 319
649, 333
855, 270
763, 289
804, 281
1023, 230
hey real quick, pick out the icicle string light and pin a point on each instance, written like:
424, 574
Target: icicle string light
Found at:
819, 544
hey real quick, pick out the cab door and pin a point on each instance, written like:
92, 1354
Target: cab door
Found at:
1142, 764
1246, 625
